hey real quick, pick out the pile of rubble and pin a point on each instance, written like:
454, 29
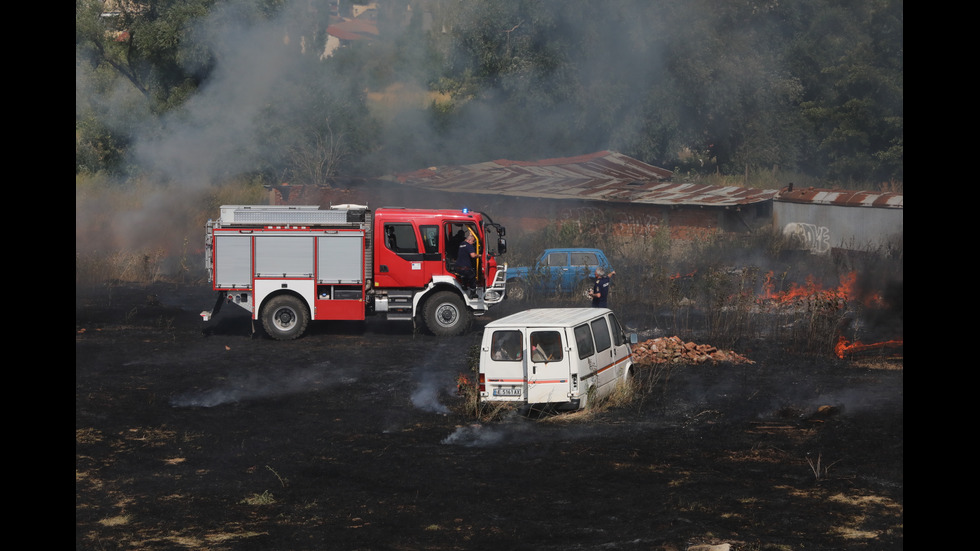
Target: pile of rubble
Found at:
674, 350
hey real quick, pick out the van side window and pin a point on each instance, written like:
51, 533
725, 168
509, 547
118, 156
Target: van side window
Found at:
583, 338
601, 330
507, 346
619, 336
546, 346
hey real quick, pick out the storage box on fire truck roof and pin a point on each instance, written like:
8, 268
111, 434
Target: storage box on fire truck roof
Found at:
306, 215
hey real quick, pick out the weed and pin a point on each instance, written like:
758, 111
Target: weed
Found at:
472, 406
820, 470
265, 498
625, 393
282, 481
166, 324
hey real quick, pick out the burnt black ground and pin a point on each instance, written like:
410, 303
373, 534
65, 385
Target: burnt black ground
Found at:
354, 437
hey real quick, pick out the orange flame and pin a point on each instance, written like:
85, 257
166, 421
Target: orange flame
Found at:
814, 290
845, 347
462, 383
678, 275
811, 290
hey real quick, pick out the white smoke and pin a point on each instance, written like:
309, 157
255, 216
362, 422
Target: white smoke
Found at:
256, 386
478, 436
428, 391
216, 132
433, 378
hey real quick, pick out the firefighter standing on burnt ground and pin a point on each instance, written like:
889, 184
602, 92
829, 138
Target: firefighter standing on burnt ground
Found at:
600, 290
464, 264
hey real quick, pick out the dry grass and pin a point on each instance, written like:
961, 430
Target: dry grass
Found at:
136, 232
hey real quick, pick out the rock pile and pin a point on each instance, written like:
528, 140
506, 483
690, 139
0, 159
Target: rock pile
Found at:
674, 350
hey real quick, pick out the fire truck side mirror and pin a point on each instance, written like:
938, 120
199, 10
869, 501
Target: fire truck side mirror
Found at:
501, 246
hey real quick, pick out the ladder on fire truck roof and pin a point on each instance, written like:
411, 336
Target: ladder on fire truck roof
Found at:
299, 215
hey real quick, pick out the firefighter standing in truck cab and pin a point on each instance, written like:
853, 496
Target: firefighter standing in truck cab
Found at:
464, 264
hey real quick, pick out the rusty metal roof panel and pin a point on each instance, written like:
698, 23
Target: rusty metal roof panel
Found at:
841, 198
601, 176
700, 194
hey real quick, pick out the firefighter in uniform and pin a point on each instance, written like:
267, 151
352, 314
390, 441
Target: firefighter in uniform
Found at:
600, 290
464, 264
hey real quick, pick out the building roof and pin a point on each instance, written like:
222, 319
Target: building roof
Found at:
354, 29
845, 198
601, 176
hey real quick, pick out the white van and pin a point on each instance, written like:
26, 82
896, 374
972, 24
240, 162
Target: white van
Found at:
554, 356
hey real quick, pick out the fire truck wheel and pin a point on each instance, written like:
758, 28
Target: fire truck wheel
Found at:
284, 318
446, 315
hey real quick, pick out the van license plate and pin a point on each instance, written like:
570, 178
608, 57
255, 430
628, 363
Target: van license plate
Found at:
507, 392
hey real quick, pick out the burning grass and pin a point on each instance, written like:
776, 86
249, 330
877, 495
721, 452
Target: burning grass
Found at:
729, 289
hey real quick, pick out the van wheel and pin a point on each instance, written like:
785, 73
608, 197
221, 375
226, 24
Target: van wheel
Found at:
285, 318
516, 290
445, 314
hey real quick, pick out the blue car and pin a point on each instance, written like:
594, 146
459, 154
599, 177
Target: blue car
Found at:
557, 272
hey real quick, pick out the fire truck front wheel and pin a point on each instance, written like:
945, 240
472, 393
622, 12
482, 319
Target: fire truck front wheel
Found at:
446, 315
285, 317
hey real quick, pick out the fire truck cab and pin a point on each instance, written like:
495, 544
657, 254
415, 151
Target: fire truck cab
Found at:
289, 265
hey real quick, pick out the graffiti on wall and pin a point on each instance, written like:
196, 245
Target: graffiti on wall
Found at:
812, 237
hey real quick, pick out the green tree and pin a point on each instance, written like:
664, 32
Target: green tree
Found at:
319, 126
850, 60
146, 43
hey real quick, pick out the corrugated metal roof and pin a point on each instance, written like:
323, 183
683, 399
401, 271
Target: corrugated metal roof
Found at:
841, 198
601, 176
354, 29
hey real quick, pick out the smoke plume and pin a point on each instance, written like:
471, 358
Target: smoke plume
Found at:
258, 386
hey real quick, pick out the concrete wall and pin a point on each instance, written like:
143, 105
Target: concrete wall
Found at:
822, 228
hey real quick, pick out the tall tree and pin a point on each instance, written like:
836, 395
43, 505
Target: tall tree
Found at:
147, 43
850, 60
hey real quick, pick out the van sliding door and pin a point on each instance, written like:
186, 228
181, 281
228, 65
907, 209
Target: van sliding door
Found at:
604, 354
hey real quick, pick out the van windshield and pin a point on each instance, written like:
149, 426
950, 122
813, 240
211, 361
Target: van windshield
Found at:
546, 346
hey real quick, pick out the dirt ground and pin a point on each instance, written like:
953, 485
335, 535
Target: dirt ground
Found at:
355, 438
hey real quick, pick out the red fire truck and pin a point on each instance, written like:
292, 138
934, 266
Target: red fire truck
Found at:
289, 265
